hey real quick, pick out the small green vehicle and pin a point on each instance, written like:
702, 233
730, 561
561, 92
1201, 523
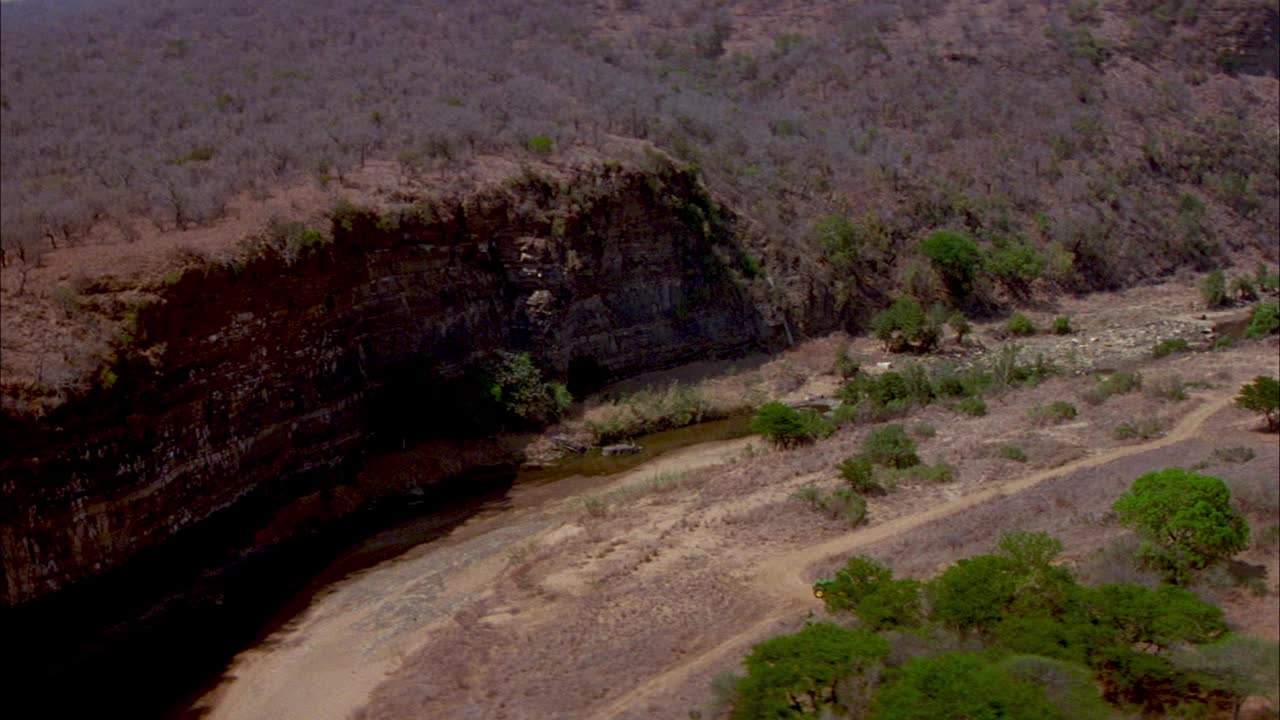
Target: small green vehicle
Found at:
820, 587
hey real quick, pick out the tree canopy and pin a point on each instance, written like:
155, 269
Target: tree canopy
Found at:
792, 676
1185, 519
955, 256
1263, 397
959, 686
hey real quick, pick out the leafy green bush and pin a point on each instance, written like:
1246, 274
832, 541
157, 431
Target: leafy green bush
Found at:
890, 446
1186, 521
1264, 319
950, 382
1062, 325
1058, 411
785, 426
1168, 346
935, 474
887, 390
780, 424
1014, 264
924, 430
849, 506
541, 144
919, 388
1263, 397
975, 406
1020, 325
1213, 289
955, 257
1117, 383
517, 386
860, 474
1013, 452
905, 326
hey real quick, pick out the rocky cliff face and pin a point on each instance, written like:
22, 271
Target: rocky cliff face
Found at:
271, 377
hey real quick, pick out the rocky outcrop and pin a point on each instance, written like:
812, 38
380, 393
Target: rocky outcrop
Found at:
274, 376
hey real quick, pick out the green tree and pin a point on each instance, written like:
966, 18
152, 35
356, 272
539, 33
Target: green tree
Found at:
1158, 618
796, 676
975, 593
1186, 521
894, 604
1262, 396
959, 686
1034, 551
859, 576
955, 257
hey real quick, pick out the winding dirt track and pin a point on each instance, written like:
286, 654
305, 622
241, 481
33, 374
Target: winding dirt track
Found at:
782, 581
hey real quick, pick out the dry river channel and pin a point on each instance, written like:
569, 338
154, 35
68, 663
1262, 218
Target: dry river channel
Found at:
326, 648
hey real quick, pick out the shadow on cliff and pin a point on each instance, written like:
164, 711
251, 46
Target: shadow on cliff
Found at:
106, 648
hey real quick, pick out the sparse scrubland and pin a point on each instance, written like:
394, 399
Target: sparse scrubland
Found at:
1033, 502
1043, 576
965, 155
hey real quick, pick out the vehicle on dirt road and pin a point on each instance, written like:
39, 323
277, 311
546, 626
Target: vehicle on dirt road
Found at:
820, 587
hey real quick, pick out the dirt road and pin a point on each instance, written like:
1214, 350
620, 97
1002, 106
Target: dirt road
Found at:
783, 578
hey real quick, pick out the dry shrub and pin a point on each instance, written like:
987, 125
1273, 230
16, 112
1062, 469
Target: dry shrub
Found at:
1236, 454
1117, 562
1168, 387
1256, 495
1141, 429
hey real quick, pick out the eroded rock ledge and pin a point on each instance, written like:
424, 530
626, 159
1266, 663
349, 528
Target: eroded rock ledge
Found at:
273, 376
